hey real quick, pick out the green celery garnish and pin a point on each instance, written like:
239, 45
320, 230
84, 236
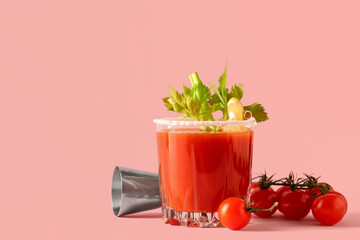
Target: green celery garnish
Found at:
193, 102
219, 99
258, 112
198, 103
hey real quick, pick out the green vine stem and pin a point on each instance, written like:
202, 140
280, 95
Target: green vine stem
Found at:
251, 209
307, 183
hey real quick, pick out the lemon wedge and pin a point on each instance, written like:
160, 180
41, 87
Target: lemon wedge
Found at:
235, 109
236, 113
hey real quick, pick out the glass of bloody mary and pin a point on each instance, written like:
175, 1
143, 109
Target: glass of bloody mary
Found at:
201, 163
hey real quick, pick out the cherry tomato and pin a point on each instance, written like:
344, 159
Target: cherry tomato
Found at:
264, 199
233, 214
316, 192
280, 191
295, 204
340, 195
328, 209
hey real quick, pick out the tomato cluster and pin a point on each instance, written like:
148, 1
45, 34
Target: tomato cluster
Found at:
328, 209
294, 199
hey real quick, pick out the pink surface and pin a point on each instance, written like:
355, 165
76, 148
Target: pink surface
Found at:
81, 81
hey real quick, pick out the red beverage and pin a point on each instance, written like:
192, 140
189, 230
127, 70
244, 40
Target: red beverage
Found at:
198, 169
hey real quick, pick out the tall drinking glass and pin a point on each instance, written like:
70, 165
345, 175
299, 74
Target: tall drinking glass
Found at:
201, 163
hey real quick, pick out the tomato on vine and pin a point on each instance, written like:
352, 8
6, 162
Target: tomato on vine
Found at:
281, 190
297, 196
340, 195
317, 192
295, 204
264, 198
279, 193
329, 209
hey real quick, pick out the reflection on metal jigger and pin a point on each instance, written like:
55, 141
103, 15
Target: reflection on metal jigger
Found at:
134, 191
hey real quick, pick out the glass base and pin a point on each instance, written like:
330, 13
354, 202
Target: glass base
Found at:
191, 219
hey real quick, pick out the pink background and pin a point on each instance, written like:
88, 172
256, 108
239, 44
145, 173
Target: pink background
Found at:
81, 81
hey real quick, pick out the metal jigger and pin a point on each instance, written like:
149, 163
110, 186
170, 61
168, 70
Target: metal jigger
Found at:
134, 191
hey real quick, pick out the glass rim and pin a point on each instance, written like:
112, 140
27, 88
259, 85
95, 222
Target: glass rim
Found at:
251, 122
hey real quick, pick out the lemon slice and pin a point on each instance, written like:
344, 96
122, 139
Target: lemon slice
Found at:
235, 109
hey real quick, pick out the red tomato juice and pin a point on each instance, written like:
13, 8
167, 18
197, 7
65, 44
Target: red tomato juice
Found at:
198, 170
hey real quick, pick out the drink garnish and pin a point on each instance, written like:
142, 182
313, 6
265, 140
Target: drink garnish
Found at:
235, 109
199, 103
236, 113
